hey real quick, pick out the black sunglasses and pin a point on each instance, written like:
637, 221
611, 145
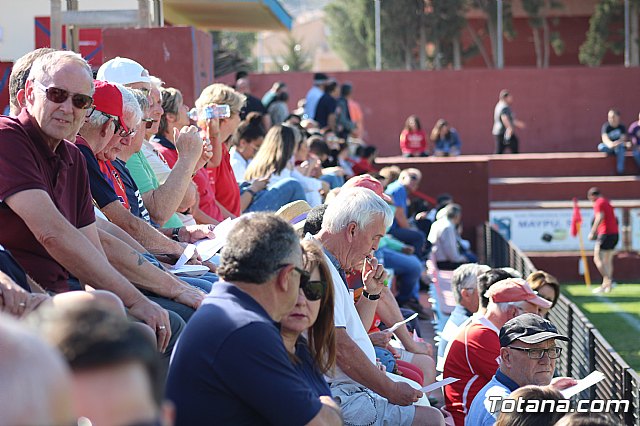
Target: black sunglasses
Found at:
58, 96
148, 122
313, 290
120, 131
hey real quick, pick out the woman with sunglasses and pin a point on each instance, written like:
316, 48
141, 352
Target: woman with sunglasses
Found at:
314, 355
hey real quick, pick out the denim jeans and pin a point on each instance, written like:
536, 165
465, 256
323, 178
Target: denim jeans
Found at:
413, 237
283, 192
407, 268
333, 180
618, 151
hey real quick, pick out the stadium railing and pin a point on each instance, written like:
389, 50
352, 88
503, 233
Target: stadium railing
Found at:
587, 351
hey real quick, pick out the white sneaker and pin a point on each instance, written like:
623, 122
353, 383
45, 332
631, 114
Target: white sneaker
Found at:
598, 290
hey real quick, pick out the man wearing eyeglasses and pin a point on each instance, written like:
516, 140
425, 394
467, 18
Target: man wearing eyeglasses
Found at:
528, 353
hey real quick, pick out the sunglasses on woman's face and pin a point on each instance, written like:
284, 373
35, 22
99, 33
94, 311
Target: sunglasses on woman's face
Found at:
313, 290
58, 96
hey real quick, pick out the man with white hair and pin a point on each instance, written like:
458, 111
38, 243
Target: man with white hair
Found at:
473, 355
351, 230
464, 285
49, 224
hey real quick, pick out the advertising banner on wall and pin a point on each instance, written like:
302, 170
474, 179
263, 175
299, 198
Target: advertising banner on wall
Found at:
546, 229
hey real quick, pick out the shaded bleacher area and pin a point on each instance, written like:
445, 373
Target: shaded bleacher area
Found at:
482, 183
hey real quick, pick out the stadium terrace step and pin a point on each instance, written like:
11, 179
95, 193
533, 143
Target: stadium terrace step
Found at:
560, 188
558, 164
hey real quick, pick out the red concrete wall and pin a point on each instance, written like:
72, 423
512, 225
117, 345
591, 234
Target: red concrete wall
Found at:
5, 71
563, 107
465, 178
181, 56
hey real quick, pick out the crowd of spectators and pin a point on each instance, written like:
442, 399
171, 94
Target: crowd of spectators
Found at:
616, 139
113, 191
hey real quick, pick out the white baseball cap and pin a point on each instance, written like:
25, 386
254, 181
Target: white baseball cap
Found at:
123, 71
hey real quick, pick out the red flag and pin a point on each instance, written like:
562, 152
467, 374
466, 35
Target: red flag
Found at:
576, 219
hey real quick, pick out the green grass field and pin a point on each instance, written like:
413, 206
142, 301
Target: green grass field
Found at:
621, 331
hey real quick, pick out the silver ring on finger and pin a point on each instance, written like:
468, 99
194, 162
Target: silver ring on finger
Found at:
22, 304
162, 327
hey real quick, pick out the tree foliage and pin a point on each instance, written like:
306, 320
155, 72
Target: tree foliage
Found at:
346, 33
295, 58
606, 32
406, 27
543, 38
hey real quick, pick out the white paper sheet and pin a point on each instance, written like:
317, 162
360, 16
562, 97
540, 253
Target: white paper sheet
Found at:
209, 247
423, 401
187, 254
189, 270
438, 385
397, 325
583, 384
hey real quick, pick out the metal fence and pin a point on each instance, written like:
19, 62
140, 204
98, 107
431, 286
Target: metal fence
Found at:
587, 351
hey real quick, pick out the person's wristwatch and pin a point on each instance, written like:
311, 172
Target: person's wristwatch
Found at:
174, 234
251, 191
370, 296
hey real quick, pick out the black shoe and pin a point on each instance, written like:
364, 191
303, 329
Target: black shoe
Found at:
415, 306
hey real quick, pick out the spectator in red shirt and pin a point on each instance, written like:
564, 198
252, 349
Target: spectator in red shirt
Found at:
413, 139
473, 355
605, 232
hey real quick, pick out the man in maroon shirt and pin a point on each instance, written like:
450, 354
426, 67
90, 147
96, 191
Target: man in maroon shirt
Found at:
605, 232
45, 203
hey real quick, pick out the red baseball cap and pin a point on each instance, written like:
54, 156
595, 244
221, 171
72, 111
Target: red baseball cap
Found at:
108, 99
515, 290
369, 182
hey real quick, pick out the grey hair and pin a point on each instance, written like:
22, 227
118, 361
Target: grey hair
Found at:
29, 367
505, 306
355, 205
257, 246
464, 277
131, 111
141, 97
44, 67
98, 118
155, 81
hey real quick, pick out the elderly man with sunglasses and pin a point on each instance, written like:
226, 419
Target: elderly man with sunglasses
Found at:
528, 354
46, 213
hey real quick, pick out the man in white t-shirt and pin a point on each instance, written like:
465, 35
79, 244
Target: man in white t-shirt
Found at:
351, 230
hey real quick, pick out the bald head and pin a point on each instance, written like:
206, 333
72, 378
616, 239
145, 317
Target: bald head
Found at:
36, 383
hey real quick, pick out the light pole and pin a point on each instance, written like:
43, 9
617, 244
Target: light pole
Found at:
377, 31
499, 51
627, 36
